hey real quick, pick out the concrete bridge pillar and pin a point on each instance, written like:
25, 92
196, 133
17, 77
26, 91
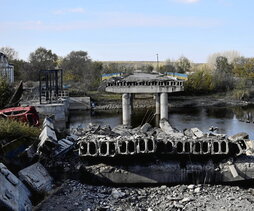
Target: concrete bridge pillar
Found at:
126, 109
157, 104
131, 103
164, 105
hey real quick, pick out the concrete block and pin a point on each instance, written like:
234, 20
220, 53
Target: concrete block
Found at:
88, 148
13, 193
37, 178
64, 146
197, 132
233, 170
166, 127
238, 137
146, 127
48, 140
48, 122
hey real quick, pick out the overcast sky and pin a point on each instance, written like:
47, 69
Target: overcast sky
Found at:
129, 30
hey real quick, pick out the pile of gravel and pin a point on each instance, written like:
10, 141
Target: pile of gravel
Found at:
73, 195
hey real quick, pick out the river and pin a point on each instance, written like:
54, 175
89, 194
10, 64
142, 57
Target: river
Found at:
230, 120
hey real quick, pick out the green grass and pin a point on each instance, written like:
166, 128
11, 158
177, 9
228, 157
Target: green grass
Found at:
103, 96
10, 129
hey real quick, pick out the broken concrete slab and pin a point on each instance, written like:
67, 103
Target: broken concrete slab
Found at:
64, 146
37, 178
48, 122
239, 136
188, 132
48, 140
197, 132
13, 193
168, 129
159, 172
146, 127
250, 147
122, 130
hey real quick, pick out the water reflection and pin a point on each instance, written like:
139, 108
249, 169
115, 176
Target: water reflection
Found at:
229, 120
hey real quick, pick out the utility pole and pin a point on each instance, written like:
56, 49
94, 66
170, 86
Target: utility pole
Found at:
157, 62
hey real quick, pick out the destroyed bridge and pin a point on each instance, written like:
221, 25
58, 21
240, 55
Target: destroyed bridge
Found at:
139, 83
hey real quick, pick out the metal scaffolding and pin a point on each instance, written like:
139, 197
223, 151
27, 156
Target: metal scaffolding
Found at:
51, 85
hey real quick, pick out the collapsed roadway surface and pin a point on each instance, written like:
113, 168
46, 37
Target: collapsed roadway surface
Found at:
155, 155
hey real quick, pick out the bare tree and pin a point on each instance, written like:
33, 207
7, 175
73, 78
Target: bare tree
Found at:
9, 52
230, 55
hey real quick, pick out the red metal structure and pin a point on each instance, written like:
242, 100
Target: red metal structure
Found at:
26, 114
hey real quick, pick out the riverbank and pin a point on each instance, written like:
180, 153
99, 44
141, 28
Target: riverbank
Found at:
104, 101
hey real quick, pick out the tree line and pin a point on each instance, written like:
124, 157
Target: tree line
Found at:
225, 71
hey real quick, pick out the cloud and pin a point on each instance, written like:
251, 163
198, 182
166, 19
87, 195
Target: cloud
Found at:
116, 20
70, 10
187, 1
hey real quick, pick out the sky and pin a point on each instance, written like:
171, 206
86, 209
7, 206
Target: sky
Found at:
129, 30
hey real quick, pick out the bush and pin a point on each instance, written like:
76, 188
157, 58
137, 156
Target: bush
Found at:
11, 129
5, 92
239, 94
200, 82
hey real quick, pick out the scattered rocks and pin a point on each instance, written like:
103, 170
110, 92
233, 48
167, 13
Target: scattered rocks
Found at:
87, 197
116, 194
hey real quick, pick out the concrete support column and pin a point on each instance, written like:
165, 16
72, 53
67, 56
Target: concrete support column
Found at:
126, 109
131, 103
157, 104
164, 105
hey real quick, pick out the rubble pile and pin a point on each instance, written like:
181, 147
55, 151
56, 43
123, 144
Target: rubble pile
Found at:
149, 154
16, 192
102, 141
49, 146
76, 196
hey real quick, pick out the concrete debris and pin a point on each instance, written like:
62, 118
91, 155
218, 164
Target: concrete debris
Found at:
49, 123
191, 186
196, 132
168, 129
146, 127
239, 136
48, 140
50, 146
123, 141
188, 132
13, 193
37, 178
122, 130
116, 194
64, 146
249, 147
212, 128
210, 197
233, 170
151, 173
